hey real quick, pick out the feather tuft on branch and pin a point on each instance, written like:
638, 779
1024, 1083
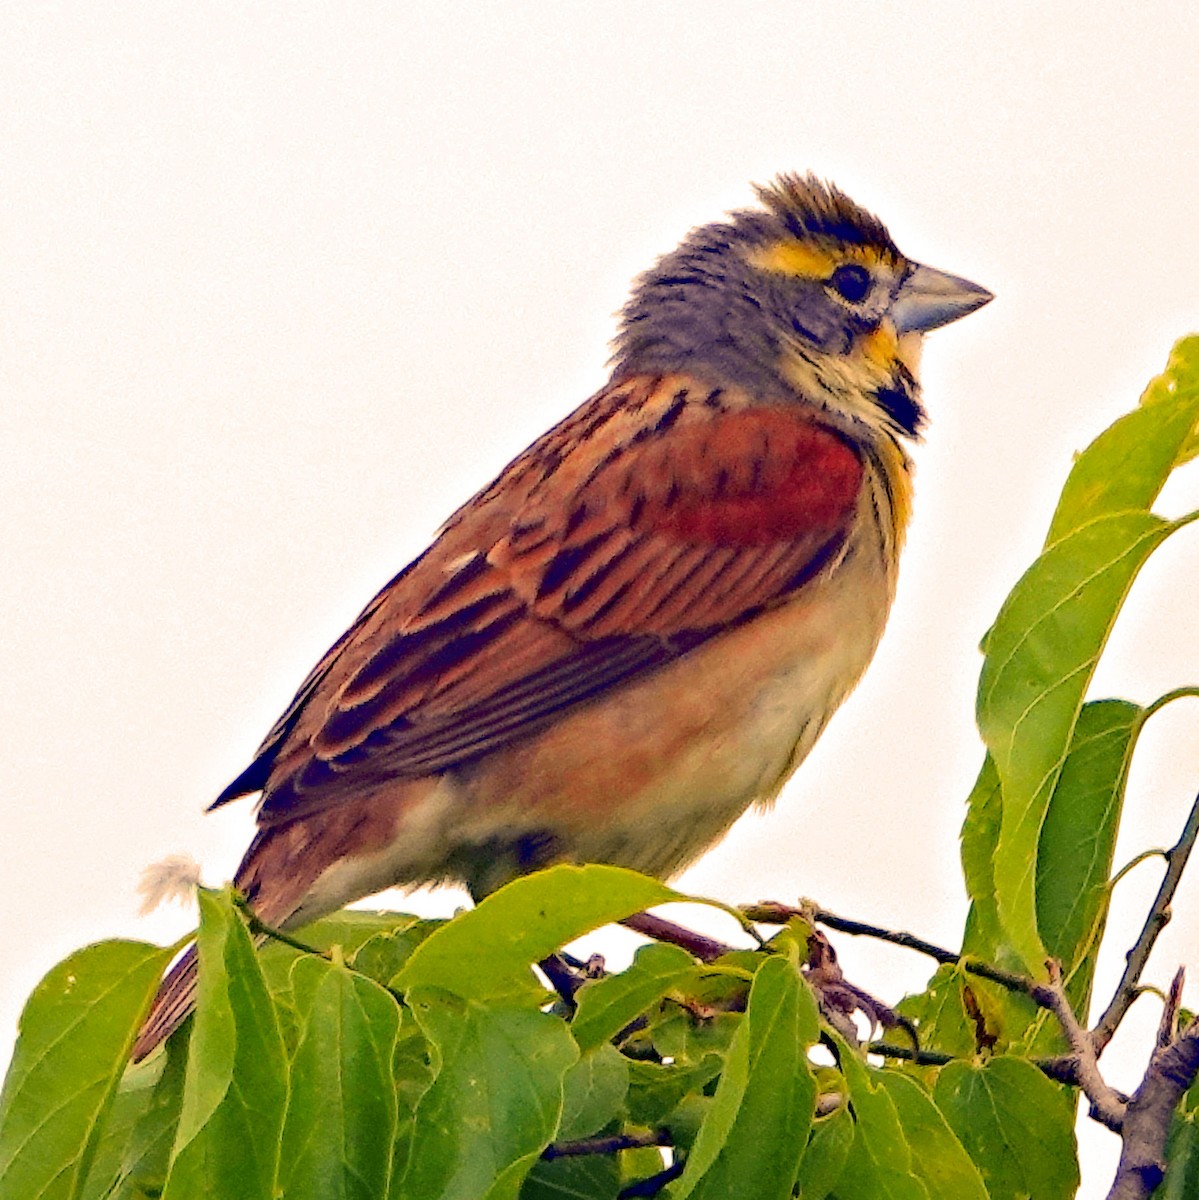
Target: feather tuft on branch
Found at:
173, 880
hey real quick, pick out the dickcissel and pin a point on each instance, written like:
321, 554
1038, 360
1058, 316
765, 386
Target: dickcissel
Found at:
643, 624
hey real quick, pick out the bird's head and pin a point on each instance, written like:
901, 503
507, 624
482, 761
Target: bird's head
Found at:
806, 297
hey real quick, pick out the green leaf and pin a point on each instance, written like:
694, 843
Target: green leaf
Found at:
880, 1163
138, 1152
594, 1092
227, 1141
685, 1120
1078, 840
383, 955
938, 1159
1007, 1015
690, 1037
1125, 467
753, 1138
131, 1100
703, 1012
587, 1177
341, 1106
641, 1164
1042, 650
488, 951
606, 1006
412, 1073
940, 1013
980, 835
351, 929
494, 1103
74, 1038
657, 1089
826, 1154
1016, 1125
1040, 657
1182, 1151
1074, 861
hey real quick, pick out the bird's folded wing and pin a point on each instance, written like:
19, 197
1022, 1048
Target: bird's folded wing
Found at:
658, 514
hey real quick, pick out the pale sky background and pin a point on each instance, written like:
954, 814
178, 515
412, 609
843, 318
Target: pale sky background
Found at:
282, 285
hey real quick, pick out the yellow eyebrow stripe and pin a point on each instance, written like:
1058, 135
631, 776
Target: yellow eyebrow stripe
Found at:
810, 259
805, 259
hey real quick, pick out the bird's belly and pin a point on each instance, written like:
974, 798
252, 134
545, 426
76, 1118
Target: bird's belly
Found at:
651, 775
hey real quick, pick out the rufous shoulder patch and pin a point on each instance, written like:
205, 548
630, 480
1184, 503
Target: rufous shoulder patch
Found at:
749, 477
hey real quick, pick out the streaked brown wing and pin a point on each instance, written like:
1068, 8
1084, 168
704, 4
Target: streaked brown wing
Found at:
255, 776
656, 515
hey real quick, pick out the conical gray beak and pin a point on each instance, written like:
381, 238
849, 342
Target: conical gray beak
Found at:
928, 299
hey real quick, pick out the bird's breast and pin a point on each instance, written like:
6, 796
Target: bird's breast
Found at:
653, 773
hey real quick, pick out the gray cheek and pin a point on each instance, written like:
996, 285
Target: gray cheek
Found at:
813, 318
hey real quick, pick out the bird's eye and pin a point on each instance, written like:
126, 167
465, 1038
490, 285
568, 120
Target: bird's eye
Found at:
851, 282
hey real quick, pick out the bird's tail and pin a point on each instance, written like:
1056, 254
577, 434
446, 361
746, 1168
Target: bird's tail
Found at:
274, 877
175, 1000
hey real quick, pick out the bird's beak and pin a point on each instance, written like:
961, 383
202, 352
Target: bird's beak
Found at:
928, 299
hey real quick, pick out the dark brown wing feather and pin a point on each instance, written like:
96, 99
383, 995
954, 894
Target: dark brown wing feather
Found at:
657, 514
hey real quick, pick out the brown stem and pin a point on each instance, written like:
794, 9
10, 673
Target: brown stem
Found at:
1159, 916
261, 929
706, 949
1107, 1106
1062, 1068
922, 1058
653, 1185
1172, 1069
779, 914
607, 1145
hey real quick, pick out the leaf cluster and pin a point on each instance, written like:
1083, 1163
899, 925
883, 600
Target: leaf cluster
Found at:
419, 1059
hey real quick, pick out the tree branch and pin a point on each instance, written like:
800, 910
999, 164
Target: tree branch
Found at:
1172, 1069
706, 949
1107, 1105
607, 1145
779, 914
1155, 922
653, 1185
1143, 1122
921, 1058
1079, 1068
612, 1145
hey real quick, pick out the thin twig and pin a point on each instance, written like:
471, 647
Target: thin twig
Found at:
1077, 1069
262, 929
653, 1185
615, 1143
607, 1145
922, 1058
1172, 1069
1136, 860
771, 913
1061, 1068
706, 949
567, 974
1107, 1107
779, 914
1155, 922
1167, 1026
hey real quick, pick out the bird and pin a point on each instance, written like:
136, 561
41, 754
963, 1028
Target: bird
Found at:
640, 628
